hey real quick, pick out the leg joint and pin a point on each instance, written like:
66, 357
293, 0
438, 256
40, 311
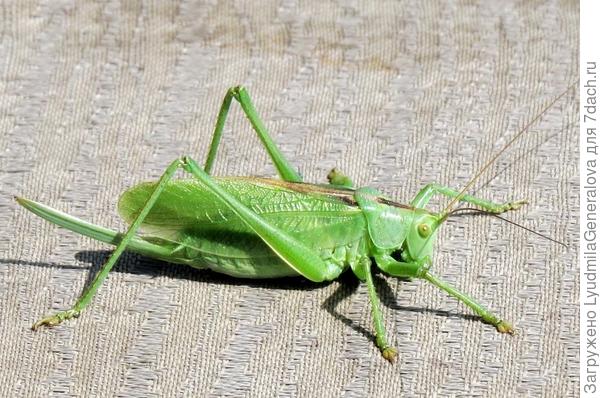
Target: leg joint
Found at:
432, 185
236, 91
186, 163
423, 267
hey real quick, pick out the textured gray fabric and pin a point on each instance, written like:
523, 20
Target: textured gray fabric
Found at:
96, 96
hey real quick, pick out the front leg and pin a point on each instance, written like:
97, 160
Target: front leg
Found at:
401, 269
487, 316
425, 195
420, 269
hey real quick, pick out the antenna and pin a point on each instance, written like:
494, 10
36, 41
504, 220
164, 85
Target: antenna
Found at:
479, 211
496, 156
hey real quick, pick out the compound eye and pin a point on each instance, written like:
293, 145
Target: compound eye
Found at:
424, 230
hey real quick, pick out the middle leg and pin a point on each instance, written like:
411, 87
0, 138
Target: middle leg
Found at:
388, 351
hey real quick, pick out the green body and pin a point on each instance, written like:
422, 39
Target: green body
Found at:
266, 228
205, 233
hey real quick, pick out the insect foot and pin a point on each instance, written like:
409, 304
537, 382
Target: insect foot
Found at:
505, 327
55, 319
515, 205
390, 353
336, 177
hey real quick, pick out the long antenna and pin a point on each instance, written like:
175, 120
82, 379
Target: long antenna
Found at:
479, 211
485, 184
519, 134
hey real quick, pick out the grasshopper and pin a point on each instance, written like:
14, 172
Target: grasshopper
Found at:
249, 227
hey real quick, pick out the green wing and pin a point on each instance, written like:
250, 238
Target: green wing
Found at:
187, 215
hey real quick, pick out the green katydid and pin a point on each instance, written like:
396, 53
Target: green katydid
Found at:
267, 228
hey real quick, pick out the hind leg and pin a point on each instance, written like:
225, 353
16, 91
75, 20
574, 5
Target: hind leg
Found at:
91, 290
284, 168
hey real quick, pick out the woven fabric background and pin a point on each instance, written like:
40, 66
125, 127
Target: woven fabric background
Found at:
97, 96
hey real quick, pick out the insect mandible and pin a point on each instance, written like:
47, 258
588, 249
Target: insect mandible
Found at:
266, 228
